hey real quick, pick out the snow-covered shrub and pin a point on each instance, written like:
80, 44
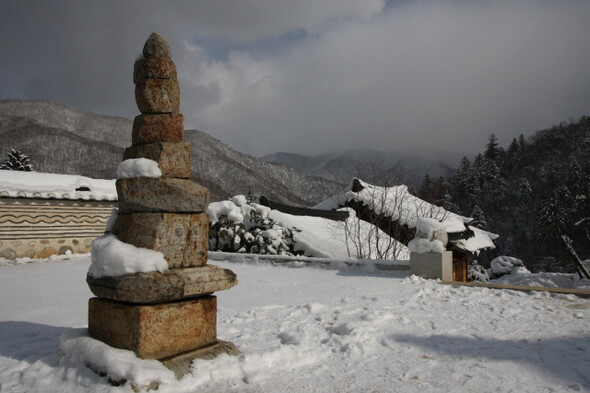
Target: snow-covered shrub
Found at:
16, 161
504, 265
476, 272
237, 226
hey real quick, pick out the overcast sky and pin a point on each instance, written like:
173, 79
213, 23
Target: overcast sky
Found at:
313, 76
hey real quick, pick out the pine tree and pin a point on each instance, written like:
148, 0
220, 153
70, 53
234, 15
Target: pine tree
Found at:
16, 161
425, 191
492, 148
479, 219
554, 213
463, 172
523, 195
524, 191
522, 143
512, 159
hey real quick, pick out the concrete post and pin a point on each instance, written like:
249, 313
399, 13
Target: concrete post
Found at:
432, 265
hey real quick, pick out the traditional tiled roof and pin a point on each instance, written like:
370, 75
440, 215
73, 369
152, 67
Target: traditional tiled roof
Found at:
399, 205
39, 185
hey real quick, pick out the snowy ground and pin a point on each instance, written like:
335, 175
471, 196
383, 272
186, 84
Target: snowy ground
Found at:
318, 330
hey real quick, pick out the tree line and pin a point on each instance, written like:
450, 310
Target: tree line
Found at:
535, 194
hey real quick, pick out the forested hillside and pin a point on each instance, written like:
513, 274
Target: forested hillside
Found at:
535, 194
62, 139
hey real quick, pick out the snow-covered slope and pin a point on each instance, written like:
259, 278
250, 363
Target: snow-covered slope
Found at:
61, 139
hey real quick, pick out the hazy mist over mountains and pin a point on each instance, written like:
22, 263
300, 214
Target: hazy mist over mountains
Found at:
400, 167
63, 139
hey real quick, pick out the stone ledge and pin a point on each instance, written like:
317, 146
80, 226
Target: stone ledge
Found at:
161, 194
181, 364
154, 287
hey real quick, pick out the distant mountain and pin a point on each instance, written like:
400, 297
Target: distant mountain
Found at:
62, 139
402, 167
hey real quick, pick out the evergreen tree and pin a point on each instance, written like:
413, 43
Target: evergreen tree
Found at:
446, 201
534, 195
522, 144
16, 161
524, 191
425, 191
463, 173
512, 159
554, 213
574, 178
479, 218
513, 148
523, 196
492, 148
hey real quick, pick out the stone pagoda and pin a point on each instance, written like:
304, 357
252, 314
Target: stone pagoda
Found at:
170, 316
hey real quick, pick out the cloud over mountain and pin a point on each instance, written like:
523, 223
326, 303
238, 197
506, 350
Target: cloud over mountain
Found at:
311, 77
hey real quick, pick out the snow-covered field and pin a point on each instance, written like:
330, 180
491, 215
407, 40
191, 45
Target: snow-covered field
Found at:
303, 328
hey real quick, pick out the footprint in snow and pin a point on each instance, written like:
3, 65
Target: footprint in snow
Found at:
288, 338
341, 330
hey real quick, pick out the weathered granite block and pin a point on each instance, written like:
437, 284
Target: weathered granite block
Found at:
154, 331
154, 287
153, 68
157, 96
169, 195
182, 238
173, 158
156, 45
163, 127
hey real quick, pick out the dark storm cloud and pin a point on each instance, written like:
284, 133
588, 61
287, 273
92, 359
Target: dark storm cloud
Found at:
316, 76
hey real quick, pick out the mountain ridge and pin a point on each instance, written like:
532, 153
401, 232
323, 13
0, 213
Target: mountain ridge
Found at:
402, 167
62, 139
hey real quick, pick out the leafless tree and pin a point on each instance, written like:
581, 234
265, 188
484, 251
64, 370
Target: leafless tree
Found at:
381, 230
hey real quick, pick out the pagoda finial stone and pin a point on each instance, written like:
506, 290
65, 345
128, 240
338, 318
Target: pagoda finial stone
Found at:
156, 46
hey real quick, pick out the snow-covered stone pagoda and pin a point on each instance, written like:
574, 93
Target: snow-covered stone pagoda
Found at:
160, 307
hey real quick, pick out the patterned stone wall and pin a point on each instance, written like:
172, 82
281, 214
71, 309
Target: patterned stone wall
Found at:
39, 228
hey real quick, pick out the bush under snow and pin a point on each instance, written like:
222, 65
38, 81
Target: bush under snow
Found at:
504, 265
476, 272
237, 226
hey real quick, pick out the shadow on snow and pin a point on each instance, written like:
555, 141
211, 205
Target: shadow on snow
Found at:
566, 358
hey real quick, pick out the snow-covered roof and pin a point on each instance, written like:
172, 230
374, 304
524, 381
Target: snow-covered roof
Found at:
39, 185
481, 240
400, 205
